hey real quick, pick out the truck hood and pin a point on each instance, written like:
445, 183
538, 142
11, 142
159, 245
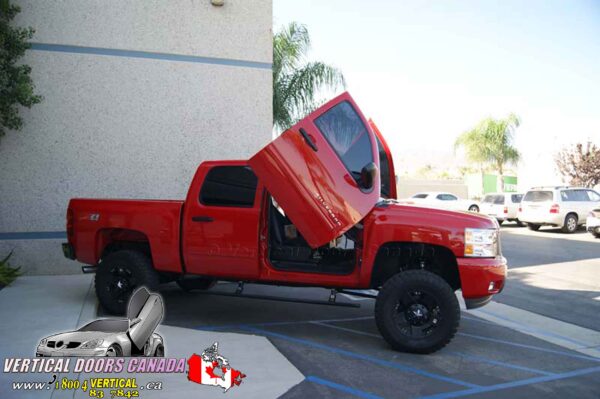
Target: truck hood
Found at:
434, 217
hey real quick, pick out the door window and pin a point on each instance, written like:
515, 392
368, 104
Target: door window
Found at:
229, 186
574, 195
447, 197
345, 132
594, 196
489, 199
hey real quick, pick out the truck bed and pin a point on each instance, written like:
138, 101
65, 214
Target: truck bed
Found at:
98, 222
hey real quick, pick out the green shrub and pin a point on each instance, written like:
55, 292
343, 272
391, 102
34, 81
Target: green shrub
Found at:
8, 274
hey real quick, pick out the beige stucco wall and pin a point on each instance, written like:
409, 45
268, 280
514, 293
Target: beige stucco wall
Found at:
125, 126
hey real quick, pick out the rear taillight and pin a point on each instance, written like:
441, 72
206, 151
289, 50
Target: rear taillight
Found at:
555, 208
505, 209
70, 221
520, 209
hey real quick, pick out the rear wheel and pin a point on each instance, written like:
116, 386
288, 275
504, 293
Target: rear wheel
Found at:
533, 226
519, 223
119, 274
473, 208
416, 311
570, 225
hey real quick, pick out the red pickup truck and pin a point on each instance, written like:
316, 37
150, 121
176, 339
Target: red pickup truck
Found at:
315, 207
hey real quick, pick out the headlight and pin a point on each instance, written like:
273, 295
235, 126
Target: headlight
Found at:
92, 344
43, 342
481, 243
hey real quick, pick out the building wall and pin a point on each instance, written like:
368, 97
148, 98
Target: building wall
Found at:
136, 95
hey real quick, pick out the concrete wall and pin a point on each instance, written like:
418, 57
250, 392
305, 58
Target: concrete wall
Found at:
136, 95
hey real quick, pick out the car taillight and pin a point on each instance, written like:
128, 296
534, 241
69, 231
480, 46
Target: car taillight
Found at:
70, 220
505, 209
520, 209
555, 208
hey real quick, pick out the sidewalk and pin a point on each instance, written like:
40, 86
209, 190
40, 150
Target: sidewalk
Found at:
37, 306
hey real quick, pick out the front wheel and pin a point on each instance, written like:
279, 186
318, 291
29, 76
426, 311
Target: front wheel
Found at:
416, 311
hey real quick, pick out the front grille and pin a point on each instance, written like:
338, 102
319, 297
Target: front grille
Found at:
51, 344
72, 345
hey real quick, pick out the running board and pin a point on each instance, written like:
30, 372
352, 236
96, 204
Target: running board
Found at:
280, 299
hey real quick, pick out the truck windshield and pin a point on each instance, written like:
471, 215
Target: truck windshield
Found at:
107, 325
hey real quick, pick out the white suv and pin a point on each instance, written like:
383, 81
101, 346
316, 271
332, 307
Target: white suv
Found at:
502, 206
564, 207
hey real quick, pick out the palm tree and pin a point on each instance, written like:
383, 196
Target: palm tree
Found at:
296, 82
491, 143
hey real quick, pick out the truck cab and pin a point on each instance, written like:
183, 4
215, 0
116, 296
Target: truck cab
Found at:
315, 207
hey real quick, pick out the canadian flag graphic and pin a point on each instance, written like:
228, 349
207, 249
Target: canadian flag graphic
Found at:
211, 368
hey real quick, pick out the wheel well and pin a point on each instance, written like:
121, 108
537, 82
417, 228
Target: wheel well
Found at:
574, 214
395, 257
113, 240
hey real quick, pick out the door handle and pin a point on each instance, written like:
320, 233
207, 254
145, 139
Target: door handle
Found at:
308, 140
202, 219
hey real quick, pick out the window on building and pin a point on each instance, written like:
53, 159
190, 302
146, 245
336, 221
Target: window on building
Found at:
229, 186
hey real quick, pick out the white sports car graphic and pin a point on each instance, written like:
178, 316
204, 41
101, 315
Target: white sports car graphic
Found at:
133, 336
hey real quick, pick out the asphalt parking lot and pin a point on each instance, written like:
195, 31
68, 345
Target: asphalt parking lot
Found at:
341, 353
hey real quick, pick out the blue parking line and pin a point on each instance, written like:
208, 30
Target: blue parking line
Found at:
499, 363
343, 388
513, 384
532, 347
536, 330
361, 356
464, 355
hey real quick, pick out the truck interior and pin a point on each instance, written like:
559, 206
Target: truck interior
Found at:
289, 251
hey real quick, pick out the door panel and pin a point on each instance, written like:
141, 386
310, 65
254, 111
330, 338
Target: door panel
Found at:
313, 170
220, 222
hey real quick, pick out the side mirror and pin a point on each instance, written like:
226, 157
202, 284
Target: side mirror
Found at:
134, 322
367, 175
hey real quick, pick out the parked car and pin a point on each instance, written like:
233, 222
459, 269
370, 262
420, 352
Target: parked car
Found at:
502, 206
560, 206
442, 200
306, 210
593, 222
133, 336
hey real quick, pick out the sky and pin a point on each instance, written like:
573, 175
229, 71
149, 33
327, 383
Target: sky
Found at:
428, 71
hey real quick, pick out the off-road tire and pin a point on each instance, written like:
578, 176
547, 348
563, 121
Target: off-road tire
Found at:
134, 264
198, 283
533, 226
570, 226
423, 281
